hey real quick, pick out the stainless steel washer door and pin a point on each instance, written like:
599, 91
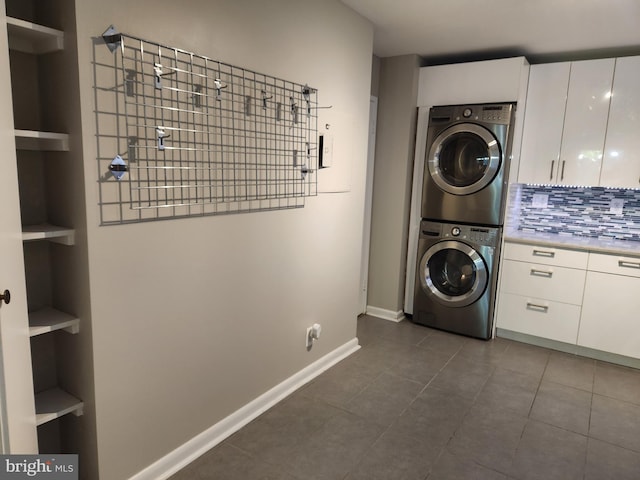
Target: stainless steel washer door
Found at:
454, 273
464, 159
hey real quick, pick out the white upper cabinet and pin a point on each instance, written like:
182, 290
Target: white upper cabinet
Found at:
585, 122
565, 122
543, 119
621, 163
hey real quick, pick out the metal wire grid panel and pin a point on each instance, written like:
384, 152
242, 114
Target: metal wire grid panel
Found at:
203, 133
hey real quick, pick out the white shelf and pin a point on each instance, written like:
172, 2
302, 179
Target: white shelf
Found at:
45, 231
55, 403
37, 140
49, 320
28, 37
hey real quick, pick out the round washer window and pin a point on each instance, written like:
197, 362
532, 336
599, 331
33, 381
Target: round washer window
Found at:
454, 273
464, 159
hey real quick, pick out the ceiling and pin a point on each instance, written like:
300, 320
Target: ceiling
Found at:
442, 31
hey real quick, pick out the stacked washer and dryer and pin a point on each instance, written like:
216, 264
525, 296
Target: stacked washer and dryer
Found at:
464, 192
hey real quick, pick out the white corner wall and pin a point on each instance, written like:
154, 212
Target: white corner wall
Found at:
395, 137
194, 318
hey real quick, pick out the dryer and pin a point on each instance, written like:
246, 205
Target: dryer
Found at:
456, 277
467, 160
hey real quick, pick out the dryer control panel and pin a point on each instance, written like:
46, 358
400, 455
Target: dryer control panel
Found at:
479, 235
498, 113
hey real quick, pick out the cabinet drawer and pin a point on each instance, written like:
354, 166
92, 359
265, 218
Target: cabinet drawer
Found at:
546, 255
542, 318
558, 284
629, 266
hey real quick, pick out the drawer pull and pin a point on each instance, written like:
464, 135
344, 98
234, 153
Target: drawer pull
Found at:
541, 273
537, 308
543, 253
626, 264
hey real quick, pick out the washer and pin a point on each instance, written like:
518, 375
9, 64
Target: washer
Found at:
467, 160
456, 277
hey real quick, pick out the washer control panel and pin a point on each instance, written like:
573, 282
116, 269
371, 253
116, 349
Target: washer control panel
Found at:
480, 235
489, 236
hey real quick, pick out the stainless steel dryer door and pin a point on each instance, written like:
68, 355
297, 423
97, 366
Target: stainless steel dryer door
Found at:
464, 159
453, 273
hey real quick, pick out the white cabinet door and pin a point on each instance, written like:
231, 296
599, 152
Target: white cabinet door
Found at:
585, 122
610, 320
16, 389
543, 120
565, 122
621, 163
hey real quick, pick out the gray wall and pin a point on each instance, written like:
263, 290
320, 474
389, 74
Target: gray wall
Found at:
375, 76
211, 312
395, 140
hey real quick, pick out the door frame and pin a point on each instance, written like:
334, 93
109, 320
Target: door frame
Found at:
368, 204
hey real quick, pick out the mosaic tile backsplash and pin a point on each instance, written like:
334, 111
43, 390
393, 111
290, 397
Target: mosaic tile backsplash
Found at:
596, 212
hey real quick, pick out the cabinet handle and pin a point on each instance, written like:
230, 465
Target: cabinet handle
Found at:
553, 162
562, 173
541, 273
538, 308
5, 296
543, 253
626, 264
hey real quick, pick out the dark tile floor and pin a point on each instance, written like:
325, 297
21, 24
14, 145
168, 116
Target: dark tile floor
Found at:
417, 403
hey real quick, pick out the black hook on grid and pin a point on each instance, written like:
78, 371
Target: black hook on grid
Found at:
306, 93
265, 98
158, 73
304, 170
161, 135
219, 86
309, 149
294, 110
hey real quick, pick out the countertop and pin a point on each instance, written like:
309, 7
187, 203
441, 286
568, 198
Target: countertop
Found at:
596, 245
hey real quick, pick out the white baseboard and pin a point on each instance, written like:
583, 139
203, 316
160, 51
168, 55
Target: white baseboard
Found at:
202, 443
385, 314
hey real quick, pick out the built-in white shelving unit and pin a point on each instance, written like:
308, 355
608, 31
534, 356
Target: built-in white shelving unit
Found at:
44, 141
49, 319
54, 403
47, 266
28, 37
46, 231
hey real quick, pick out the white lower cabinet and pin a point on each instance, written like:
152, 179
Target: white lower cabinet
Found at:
539, 317
558, 284
576, 297
610, 311
542, 298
